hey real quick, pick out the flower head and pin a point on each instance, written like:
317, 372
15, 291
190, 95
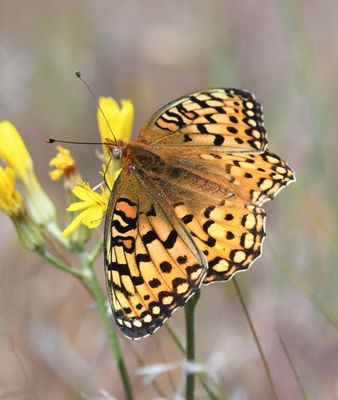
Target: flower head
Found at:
11, 203
92, 207
14, 153
64, 166
10, 198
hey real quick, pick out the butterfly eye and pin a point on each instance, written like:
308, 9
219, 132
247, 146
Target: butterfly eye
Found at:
117, 153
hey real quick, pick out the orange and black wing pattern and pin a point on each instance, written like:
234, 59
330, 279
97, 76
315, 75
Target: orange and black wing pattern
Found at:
189, 210
152, 265
229, 119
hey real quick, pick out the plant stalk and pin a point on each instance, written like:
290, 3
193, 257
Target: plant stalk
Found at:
189, 310
254, 334
101, 303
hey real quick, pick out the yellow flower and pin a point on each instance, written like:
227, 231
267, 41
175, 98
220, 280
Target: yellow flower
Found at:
64, 166
92, 207
10, 198
11, 203
14, 153
120, 120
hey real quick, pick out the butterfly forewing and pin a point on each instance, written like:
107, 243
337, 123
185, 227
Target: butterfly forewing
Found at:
152, 265
228, 118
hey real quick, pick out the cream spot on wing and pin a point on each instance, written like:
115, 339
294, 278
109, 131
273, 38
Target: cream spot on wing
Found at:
250, 221
239, 256
156, 310
127, 324
195, 275
249, 240
252, 122
167, 300
147, 318
280, 170
272, 160
182, 288
266, 184
222, 266
256, 133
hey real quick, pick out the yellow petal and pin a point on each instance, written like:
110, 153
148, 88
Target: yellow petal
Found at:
55, 175
85, 193
77, 221
10, 199
13, 151
115, 118
92, 218
78, 206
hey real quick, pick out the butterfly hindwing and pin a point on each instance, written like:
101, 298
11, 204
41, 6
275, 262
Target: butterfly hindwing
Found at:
152, 265
218, 197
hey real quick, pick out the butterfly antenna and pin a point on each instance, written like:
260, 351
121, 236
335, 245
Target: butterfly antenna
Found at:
51, 140
79, 75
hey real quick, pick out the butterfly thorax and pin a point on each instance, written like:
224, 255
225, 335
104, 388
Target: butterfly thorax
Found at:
166, 170
139, 156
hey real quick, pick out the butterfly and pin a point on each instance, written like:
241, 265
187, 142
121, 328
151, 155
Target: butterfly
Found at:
186, 209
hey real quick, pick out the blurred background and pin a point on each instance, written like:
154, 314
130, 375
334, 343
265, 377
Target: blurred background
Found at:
53, 344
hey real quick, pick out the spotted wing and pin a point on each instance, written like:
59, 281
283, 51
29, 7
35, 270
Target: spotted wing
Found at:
218, 196
229, 119
152, 264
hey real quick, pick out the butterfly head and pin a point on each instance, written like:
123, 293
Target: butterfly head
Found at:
115, 148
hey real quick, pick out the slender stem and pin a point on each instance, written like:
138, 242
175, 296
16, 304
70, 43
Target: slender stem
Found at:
207, 382
101, 303
175, 337
190, 347
64, 267
252, 328
54, 230
96, 251
307, 291
294, 371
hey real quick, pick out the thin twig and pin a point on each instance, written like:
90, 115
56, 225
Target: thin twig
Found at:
64, 267
101, 303
295, 374
307, 291
253, 331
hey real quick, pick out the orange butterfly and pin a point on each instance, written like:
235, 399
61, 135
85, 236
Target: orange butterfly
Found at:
186, 208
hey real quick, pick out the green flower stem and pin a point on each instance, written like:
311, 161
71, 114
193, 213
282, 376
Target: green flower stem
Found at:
54, 229
207, 382
64, 267
88, 276
96, 251
189, 310
101, 303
